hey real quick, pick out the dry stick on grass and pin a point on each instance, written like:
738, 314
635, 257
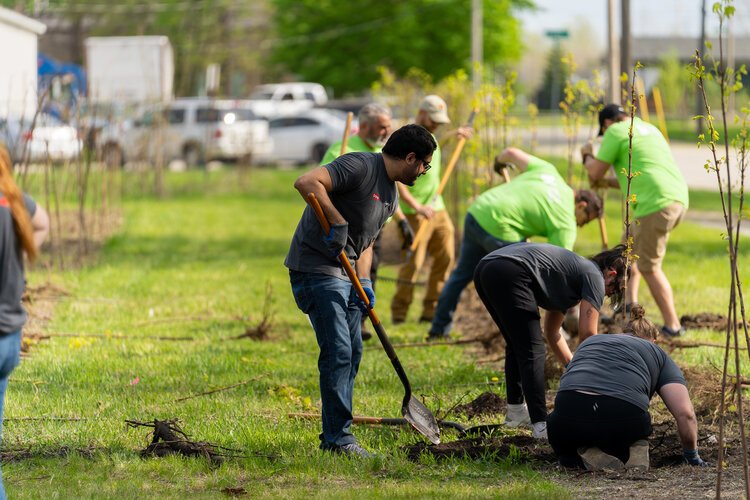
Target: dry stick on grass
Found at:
112, 336
44, 419
262, 329
220, 389
723, 75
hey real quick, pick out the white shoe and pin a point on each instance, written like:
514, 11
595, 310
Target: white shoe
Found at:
539, 430
517, 415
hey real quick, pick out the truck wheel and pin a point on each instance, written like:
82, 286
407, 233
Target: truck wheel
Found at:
192, 155
112, 156
318, 152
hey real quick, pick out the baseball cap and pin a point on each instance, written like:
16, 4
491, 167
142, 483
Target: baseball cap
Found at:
609, 112
436, 108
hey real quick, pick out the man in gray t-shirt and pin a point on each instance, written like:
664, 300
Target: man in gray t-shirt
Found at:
357, 193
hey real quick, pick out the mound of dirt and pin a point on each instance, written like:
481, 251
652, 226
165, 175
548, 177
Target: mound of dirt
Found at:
487, 403
520, 448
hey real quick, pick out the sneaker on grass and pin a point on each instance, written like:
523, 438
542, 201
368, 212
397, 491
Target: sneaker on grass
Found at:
517, 416
539, 430
353, 450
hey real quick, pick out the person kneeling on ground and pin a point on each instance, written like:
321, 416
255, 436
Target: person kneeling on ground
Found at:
513, 282
601, 418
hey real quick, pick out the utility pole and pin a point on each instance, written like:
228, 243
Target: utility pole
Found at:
614, 56
476, 44
626, 39
699, 109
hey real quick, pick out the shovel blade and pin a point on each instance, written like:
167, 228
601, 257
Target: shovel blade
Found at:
422, 419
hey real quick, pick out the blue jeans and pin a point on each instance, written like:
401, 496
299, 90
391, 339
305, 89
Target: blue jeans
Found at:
10, 355
476, 243
330, 304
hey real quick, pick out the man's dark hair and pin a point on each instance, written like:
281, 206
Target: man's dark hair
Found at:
593, 202
410, 139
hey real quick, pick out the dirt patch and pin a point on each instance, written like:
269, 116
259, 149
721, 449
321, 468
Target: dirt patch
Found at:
487, 403
517, 448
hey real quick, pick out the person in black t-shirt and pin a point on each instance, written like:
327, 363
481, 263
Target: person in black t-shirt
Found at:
514, 282
601, 418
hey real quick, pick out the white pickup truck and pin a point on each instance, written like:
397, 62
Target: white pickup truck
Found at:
283, 99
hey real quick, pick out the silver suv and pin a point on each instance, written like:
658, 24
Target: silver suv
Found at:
193, 129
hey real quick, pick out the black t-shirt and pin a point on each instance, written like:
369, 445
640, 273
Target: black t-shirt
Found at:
12, 281
366, 198
562, 278
621, 366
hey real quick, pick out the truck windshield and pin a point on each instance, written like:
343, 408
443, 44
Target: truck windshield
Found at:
228, 116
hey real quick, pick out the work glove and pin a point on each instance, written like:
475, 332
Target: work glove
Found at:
500, 165
335, 240
367, 287
407, 235
691, 457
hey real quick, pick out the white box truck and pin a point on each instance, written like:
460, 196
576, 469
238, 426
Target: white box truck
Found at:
129, 69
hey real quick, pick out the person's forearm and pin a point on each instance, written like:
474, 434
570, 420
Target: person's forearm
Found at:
553, 320
687, 428
406, 197
364, 263
308, 184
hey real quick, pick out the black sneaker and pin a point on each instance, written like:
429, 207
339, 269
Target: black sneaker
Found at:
353, 450
425, 319
669, 333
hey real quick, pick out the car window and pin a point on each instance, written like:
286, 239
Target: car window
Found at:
261, 96
176, 115
300, 122
288, 97
207, 115
309, 96
281, 123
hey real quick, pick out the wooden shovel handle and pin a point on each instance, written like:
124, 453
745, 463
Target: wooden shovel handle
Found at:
347, 128
446, 175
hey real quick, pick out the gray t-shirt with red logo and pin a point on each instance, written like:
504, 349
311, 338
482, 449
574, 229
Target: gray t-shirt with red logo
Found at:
364, 195
12, 281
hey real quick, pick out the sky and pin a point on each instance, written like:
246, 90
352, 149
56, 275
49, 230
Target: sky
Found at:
647, 17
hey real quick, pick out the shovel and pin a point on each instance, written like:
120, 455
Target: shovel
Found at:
413, 410
476, 430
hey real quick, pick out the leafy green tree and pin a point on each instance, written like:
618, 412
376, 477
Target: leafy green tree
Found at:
674, 84
341, 43
556, 74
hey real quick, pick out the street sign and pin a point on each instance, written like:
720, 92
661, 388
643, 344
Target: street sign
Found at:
557, 34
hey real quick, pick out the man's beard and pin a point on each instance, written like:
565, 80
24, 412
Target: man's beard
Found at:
377, 142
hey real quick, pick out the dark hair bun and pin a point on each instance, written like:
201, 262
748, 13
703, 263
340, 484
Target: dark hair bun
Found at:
636, 312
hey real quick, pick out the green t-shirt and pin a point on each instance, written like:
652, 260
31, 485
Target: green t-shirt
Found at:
536, 203
355, 144
426, 186
659, 182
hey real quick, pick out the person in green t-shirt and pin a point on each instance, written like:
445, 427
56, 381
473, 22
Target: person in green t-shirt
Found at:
537, 203
660, 199
374, 128
422, 205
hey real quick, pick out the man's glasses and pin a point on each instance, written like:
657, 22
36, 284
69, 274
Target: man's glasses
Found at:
427, 166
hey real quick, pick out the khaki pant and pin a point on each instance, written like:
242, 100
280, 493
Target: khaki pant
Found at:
651, 234
438, 241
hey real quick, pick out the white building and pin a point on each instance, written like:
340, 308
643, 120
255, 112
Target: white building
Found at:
18, 64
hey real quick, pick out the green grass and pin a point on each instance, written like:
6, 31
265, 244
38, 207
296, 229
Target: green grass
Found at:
189, 265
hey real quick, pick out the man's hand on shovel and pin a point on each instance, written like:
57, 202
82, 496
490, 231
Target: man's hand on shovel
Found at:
367, 287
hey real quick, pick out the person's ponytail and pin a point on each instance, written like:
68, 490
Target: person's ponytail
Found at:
12, 193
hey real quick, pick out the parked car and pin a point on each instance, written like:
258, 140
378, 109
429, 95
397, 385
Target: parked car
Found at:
305, 137
279, 99
49, 140
193, 129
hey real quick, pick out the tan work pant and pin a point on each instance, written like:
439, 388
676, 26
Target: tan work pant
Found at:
438, 241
